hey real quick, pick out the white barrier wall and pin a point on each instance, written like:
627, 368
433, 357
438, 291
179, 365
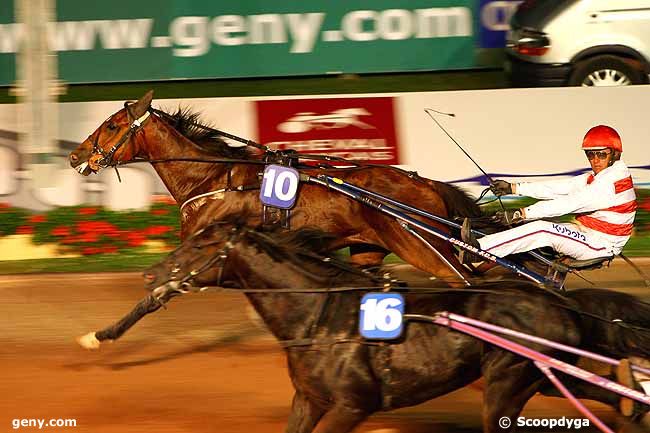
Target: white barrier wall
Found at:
512, 133
522, 131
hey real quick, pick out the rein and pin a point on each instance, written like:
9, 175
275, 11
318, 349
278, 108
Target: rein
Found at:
483, 194
183, 286
247, 142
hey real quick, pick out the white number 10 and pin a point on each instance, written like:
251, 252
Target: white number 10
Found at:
276, 185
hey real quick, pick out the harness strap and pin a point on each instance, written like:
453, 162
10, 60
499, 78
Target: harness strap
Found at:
196, 197
310, 342
219, 191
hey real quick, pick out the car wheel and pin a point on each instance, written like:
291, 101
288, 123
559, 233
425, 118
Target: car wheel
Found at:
605, 71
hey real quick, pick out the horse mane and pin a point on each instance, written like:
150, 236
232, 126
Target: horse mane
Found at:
281, 244
189, 124
309, 249
277, 242
626, 328
310, 239
459, 203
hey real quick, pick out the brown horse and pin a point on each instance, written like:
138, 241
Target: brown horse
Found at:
138, 132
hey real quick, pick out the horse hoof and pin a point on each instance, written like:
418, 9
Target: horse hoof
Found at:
89, 341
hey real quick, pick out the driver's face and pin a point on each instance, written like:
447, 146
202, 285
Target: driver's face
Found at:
599, 159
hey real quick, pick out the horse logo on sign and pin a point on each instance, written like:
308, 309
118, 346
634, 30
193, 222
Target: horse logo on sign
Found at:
306, 121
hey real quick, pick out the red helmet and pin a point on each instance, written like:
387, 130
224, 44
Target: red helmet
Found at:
602, 137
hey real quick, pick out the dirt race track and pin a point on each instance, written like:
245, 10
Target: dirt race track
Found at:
200, 366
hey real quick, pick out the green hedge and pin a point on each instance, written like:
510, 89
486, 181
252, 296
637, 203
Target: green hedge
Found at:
92, 230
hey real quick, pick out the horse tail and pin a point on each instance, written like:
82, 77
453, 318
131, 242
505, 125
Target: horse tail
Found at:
458, 202
613, 321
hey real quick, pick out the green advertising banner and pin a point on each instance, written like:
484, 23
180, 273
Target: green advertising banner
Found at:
178, 39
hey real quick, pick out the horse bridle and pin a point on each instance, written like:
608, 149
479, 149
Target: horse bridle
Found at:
183, 285
106, 159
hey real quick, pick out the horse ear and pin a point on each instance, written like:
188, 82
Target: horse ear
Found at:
142, 105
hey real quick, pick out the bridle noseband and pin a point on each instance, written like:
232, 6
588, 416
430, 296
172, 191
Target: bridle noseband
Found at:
106, 158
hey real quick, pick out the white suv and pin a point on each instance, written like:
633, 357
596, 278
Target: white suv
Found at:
579, 43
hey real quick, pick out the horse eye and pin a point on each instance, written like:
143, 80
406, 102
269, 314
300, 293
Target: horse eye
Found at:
112, 126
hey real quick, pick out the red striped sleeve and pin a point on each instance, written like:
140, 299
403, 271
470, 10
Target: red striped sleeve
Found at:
605, 227
623, 185
628, 207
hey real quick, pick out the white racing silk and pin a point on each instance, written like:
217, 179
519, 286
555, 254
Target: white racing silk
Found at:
606, 202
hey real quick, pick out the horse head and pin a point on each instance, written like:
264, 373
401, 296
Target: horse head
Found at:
199, 261
114, 140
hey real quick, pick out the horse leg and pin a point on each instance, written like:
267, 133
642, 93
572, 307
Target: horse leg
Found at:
411, 250
147, 305
341, 419
583, 390
304, 415
510, 383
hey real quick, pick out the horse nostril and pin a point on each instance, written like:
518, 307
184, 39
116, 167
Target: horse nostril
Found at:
74, 157
148, 278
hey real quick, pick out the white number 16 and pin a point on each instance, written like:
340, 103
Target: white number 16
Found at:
381, 315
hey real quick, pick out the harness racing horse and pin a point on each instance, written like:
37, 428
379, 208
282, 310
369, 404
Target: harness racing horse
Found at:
138, 132
339, 378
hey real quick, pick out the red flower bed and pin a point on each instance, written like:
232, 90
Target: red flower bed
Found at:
60, 231
36, 219
157, 230
86, 211
25, 230
93, 230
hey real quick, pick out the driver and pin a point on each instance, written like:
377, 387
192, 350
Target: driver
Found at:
604, 199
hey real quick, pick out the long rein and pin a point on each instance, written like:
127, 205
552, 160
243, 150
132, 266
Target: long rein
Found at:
267, 151
387, 283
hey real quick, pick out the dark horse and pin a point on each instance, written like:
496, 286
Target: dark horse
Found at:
164, 137
341, 379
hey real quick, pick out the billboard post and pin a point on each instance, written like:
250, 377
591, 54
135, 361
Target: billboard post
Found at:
37, 89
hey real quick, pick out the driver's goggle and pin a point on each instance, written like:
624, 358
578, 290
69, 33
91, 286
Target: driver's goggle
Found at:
600, 154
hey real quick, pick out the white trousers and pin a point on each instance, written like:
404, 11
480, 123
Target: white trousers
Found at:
566, 238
